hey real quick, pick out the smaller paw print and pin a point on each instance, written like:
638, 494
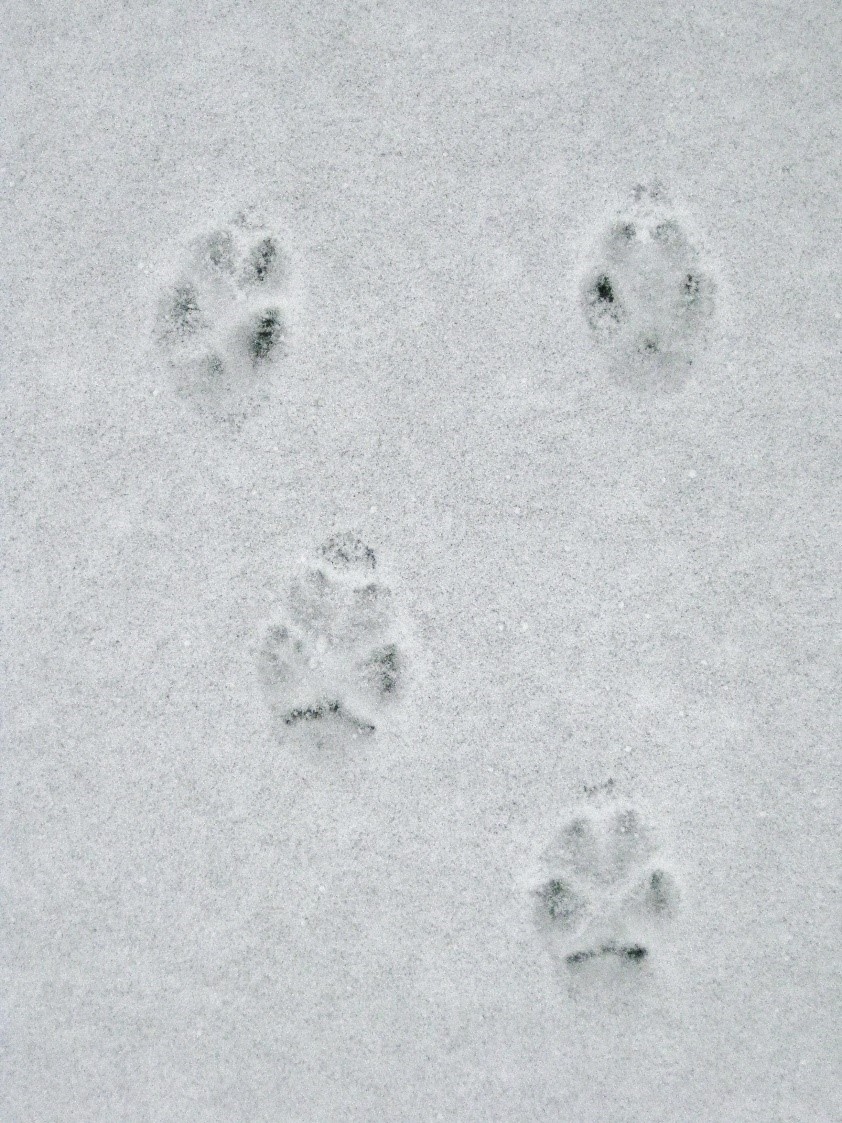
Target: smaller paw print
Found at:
645, 294
222, 324
335, 661
607, 893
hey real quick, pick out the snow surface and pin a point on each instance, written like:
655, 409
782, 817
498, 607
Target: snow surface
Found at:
615, 576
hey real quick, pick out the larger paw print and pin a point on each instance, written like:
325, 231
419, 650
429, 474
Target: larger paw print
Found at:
222, 323
607, 892
646, 296
334, 661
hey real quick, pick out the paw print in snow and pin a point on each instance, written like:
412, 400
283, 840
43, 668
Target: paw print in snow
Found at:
222, 323
335, 659
645, 294
606, 894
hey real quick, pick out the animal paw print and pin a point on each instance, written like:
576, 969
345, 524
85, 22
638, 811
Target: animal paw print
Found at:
606, 893
222, 324
646, 297
335, 660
